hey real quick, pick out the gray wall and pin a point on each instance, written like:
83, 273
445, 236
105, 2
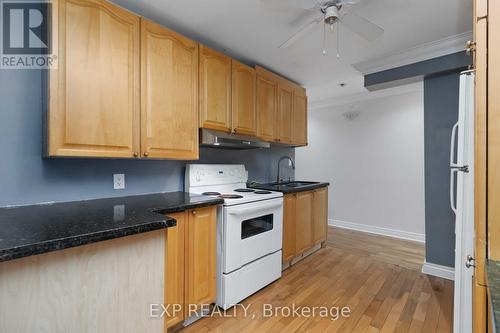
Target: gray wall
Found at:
441, 93
25, 177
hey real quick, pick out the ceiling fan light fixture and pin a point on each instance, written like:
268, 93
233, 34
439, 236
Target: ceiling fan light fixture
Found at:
331, 15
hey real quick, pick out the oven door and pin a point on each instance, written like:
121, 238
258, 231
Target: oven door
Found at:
251, 231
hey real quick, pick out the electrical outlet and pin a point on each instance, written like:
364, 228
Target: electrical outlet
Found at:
118, 181
118, 213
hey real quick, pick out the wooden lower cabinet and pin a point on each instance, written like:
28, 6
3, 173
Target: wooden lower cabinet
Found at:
190, 275
320, 215
305, 220
289, 227
174, 270
201, 256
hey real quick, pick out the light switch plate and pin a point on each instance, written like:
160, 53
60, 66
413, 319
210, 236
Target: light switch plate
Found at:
118, 181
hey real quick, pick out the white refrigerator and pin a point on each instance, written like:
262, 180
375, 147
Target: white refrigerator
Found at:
462, 203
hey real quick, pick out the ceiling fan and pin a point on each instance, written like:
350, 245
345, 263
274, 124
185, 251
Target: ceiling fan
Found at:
332, 13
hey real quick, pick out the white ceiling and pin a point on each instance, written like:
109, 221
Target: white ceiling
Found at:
252, 32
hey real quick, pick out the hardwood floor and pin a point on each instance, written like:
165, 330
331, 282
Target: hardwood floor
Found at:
378, 278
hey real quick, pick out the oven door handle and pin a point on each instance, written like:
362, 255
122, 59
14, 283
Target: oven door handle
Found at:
244, 211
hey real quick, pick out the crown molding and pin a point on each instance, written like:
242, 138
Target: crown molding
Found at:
438, 48
366, 96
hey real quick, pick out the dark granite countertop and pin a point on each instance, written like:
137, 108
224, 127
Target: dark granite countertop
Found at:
285, 189
493, 273
36, 229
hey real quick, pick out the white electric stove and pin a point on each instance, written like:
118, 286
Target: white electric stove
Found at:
249, 230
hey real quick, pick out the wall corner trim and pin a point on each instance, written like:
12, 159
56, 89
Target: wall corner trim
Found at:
441, 271
422, 52
394, 233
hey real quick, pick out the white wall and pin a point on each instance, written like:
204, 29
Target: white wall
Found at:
374, 162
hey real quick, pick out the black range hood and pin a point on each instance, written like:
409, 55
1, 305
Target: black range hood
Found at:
216, 139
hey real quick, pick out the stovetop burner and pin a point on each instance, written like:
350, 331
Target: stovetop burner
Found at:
230, 196
244, 190
210, 193
263, 192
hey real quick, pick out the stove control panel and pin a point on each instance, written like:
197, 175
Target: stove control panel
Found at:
215, 174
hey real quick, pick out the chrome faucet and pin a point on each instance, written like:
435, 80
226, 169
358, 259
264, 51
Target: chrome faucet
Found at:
279, 162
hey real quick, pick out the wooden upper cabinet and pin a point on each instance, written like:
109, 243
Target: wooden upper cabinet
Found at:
281, 109
169, 110
215, 90
243, 99
299, 118
285, 108
267, 105
303, 221
320, 215
201, 256
94, 93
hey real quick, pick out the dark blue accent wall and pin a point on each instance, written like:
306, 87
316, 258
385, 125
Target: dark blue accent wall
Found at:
416, 71
441, 95
26, 177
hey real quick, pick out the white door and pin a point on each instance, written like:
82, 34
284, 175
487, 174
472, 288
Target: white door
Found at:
462, 166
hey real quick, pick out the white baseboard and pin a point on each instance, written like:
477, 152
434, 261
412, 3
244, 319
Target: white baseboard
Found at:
412, 236
444, 272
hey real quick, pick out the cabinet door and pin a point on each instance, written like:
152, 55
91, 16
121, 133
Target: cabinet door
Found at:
289, 227
285, 108
94, 93
299, 119
320, 215
174, 270
215, 90
169, 114
267, 107
303, 223
201, 252
243, 101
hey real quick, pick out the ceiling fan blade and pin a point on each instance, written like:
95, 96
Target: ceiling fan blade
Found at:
302, 19
302, 31
297, 4
349, 2
361, 26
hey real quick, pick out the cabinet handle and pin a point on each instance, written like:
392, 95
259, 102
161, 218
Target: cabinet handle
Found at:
194, 212
146, 154
136, 154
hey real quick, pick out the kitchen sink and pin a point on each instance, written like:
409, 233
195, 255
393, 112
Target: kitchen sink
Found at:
287, 186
